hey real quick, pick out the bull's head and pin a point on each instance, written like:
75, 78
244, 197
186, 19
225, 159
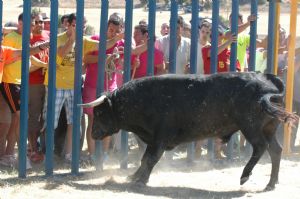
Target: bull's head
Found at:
104, 123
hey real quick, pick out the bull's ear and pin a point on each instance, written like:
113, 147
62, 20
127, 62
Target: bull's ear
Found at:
94, 103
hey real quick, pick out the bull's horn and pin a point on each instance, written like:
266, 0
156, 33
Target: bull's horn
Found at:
94, 103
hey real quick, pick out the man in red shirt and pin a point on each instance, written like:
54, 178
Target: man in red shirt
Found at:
139, 62
223, 55
37, 88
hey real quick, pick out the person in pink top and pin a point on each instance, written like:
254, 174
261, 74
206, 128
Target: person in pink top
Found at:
139, 62
111, 82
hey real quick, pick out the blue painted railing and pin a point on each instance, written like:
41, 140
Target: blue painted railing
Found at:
253, 33
51, 88
173, 36
151, 33
127, 55
77, 88
271, 36
25, 88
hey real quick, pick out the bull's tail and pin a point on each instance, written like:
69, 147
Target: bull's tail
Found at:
276, 81
270, 105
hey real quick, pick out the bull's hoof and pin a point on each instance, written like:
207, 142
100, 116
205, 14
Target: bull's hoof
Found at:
269, 187
244, 179
130, 178
137, 180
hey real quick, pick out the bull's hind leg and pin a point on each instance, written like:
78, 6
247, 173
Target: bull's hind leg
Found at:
149, 160
259, 145
274, 149
275, 153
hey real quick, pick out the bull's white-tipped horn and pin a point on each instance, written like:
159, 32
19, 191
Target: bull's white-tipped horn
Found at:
94, 103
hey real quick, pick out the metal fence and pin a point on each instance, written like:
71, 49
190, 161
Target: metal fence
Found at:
127, 55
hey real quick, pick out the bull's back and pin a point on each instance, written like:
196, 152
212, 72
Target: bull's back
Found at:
188, 105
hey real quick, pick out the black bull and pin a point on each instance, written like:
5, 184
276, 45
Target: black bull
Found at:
168, 110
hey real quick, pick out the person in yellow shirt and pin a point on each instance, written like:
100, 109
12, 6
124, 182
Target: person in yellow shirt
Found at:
65, 69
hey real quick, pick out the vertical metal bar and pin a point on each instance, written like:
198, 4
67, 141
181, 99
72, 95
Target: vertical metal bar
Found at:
101, 73
77, 88
214, 59
233, 58
1, 15
173, 37
127, 67
51, 88
234, 31
276, 36
253, 33
214, 35
252, 58
271, 34
24, 86
151, 33
194, 36
193, 65
290, 74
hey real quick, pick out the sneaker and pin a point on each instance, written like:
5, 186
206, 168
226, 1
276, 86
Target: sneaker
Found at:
8, 160
36, 157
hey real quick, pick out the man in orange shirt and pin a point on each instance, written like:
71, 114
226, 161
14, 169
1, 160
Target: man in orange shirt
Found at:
9, 55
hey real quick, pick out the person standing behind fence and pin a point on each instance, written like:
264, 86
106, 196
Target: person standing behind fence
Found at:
139, 62
223, 66
5, 120
164, 29
65, 69
37, 90
182, 52
243, 40
11, 86
63, 23
11, 94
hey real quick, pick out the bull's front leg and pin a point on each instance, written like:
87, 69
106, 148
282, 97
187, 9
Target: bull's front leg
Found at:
149, 160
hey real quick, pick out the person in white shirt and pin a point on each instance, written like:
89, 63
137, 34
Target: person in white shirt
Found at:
183, 49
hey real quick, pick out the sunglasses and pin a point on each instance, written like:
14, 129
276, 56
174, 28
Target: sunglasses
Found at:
39, 22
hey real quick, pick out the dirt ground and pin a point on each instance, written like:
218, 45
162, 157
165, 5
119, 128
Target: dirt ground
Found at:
204, 179
168, 180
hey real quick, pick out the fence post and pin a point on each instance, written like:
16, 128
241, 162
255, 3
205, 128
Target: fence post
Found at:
193, 62
233, 58
173, 37
151, 31
77, 88
253, 33
101, 73
271, 34
1, 16
51, 88
24, 91
214, 60
126, 76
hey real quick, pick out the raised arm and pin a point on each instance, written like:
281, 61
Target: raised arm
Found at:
223, 46
36, 64
243, 26
63, 50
